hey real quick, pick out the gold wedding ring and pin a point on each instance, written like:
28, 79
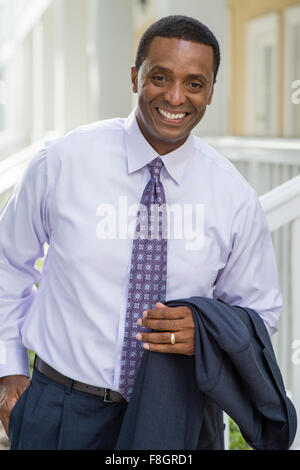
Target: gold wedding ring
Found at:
173, 338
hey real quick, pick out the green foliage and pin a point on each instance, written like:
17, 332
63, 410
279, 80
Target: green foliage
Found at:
236, 440
39, 264
31, 355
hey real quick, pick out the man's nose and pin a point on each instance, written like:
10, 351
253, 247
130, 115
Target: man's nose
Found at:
175, 95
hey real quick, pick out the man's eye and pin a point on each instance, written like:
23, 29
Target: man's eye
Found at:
196, 85
158, 77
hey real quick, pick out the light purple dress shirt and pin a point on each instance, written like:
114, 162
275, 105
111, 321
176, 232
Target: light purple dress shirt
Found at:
79, 196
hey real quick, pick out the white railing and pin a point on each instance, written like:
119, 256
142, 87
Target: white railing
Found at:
265, 163
11, 168
272, 167
10, 143
269, 164
282, 208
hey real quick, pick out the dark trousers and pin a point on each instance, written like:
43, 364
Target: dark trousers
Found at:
51, 416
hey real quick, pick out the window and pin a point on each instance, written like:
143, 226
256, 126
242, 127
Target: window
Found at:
261, 60
292, 71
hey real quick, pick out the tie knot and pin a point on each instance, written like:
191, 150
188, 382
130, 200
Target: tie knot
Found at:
154, 167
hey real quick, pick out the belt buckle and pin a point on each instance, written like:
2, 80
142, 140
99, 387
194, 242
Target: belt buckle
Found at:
106, 395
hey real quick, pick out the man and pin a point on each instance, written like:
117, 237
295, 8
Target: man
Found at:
98, 300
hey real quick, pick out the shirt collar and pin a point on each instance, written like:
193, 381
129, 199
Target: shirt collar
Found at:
140, 152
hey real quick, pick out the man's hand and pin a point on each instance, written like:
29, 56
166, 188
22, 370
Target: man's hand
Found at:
176, 320
11, 388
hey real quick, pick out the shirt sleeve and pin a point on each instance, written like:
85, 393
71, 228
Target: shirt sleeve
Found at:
250, 276
24, 228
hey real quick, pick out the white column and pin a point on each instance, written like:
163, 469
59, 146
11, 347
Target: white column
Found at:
76, 61
38, 81
113, 33
71, 63
13, 93
59, 67
27, 101
49, 38
18, 106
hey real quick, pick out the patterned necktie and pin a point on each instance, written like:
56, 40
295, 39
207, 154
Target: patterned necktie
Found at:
148, 272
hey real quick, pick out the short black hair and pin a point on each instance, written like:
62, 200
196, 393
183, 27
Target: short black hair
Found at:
180, 27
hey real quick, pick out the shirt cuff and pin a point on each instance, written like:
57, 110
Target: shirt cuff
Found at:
13, 361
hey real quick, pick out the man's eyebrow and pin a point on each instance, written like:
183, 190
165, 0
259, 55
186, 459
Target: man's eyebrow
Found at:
197, 76
160, 68
194, 76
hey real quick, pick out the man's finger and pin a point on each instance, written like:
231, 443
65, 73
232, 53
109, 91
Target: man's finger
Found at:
160, 338
160, 305
177, 348
163, 325
166, 312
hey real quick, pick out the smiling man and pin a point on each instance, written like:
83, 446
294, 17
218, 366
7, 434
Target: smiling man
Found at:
101, 299
174, 84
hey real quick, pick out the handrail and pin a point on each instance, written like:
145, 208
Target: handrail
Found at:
9, 142
270, 143
11, 168
257, 150
282, 204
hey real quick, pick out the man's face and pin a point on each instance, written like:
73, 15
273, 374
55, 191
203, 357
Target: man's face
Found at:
174, 85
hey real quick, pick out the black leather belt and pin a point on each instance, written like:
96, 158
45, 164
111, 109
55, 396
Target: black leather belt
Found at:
107, 394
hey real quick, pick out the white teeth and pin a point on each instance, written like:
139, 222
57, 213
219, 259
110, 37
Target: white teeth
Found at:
171, 116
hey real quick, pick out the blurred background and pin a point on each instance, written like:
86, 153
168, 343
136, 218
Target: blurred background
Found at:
64, 63
67, 62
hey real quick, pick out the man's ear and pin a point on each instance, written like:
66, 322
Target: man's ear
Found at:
134, 79
211, 94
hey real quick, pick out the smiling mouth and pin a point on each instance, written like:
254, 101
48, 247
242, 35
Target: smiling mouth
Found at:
173, 117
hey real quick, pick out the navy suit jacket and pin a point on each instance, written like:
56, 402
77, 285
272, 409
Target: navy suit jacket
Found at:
178, 400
